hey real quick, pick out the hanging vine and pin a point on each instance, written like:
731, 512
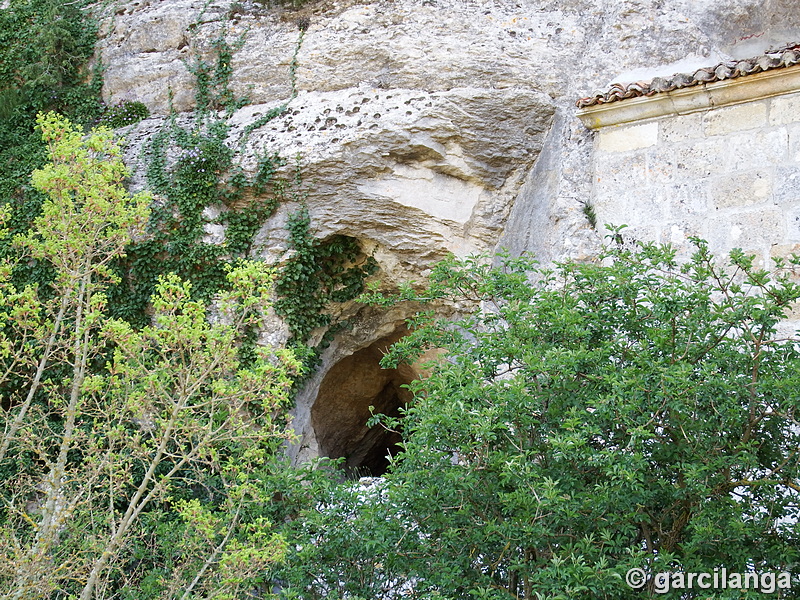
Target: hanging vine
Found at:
319, 272
190, 166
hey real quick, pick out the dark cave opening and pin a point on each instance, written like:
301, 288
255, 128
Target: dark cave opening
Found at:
340, 413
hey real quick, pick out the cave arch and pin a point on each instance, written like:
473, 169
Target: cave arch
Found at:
340, 412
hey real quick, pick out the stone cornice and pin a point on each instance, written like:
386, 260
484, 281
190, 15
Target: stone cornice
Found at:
693, 99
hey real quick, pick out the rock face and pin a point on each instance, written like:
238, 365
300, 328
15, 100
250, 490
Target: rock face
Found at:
412, 174
489, 51
424, 126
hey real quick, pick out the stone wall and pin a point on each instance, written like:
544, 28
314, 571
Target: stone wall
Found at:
728, 174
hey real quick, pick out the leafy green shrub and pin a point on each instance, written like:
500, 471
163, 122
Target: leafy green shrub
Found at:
115, 438
123, 113
586, 420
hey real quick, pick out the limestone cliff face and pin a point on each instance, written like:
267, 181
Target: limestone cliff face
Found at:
425, 126
456, 99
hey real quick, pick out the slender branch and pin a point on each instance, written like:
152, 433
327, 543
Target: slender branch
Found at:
213, 556
9, 434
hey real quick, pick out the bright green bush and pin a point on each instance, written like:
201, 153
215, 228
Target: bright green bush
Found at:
130, 455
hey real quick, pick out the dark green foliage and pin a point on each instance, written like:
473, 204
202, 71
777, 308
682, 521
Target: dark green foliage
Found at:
191, 167
627, 413
196, 180
317, 273
212, 89
123, 114
589, 213
201, 175
44, 47
204, 175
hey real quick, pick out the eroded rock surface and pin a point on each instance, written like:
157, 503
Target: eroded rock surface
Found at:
561, 48
425, 126
415, 174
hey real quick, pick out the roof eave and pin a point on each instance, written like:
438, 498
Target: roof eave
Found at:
693, 99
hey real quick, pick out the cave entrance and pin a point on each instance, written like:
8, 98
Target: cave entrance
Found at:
340, 413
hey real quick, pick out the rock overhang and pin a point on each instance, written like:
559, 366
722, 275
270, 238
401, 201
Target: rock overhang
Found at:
477, 135
421, 173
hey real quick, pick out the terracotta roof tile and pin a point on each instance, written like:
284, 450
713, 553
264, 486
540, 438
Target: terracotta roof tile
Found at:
772, 59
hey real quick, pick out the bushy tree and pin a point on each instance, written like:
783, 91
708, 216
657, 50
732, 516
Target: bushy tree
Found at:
631, 412
44, 47
129, 455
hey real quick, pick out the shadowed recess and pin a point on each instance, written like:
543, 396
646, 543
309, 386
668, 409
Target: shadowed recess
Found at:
341, 410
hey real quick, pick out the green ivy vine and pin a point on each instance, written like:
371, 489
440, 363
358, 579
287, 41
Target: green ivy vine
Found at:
318, 273
190, 167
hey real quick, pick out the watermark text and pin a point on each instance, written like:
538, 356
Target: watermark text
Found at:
718, 579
